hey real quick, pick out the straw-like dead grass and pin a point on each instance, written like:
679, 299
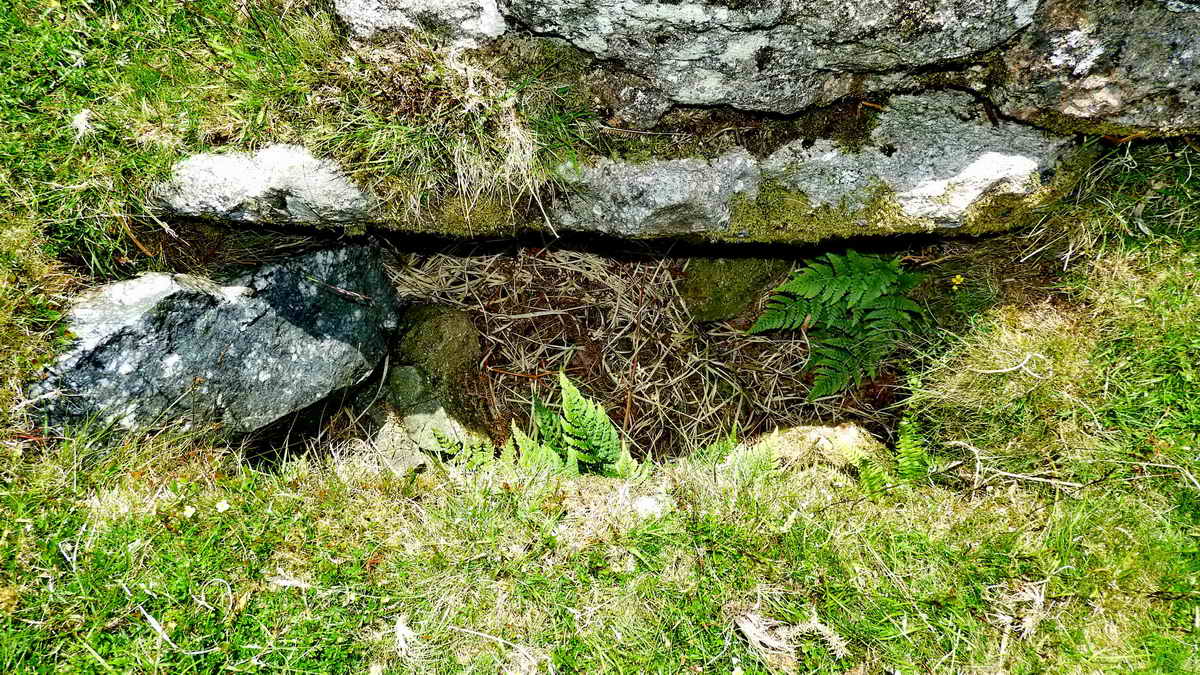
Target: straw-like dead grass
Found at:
617, 327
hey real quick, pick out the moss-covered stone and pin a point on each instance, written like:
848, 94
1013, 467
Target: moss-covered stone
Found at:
442, 342
1010, 211
714, 289
781, 215
429, 385
1062, 123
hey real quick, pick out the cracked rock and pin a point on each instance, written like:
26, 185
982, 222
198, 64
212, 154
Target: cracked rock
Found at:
935, 156
1112, 66
655, 199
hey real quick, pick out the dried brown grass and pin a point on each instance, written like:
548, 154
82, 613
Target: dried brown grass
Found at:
617, 327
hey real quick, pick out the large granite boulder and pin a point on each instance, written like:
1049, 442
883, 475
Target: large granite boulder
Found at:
776, 55
280, 184
1096, 66
464, 22
238, 354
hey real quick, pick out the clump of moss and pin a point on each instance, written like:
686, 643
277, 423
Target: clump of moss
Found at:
1062, 123
714, 289
780, 214
444, 345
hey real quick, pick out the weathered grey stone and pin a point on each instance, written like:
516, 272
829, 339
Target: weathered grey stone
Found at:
655, 199
929, 162
776, 55
279, 184
242, 354
934, 157
465, 22
1108, 66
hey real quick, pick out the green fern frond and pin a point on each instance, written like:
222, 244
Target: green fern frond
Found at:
872, 476
547, 427
533, 455
587, 433
446, 444
855, 309
912, 460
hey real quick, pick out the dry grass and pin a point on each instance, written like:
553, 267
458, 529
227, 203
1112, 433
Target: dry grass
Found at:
617, 327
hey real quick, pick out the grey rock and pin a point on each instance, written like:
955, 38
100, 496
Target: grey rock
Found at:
655, 199
1131, 64
931, 159
465, 22
240, 354
776, 55
935, 155
279, 184
641, 108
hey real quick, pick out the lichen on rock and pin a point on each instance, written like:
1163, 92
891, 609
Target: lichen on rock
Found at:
655, 199
237, 354
280, 184
928, 162
466, 23
1107, 67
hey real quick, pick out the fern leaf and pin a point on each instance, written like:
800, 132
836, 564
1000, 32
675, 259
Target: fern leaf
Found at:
855, 310
533, 455
445, 443
872, 476
912, 461
548, 429
790, 314
587, 430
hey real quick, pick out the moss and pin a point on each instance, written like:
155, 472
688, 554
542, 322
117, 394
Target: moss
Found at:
485, 215
1061, 123
714, 289
444, 346
779, 214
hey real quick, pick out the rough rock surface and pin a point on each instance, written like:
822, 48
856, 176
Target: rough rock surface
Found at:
655, 199
775, 55
465, 22
1131, 64
934, 156
279, 184
1107, 65
929, 162
240, 354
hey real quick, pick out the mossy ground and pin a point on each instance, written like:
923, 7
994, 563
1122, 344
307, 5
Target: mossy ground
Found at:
723, 288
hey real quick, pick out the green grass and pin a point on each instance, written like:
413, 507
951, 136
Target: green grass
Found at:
1056, 532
